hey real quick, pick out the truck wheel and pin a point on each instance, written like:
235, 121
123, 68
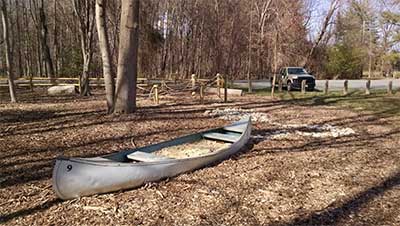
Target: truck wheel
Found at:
289, 86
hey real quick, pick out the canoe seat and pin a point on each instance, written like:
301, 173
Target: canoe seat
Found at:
228, 137
145, 157
237, 128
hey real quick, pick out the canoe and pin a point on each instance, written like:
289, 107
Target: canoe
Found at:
77, 177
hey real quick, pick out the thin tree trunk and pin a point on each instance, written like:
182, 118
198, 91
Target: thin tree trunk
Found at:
127, 59
85, 15
55, 39
275, 63
105, 53
249, 53
9, 65
46, 50
19, 45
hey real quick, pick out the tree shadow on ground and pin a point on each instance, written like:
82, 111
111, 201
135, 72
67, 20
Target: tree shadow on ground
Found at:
335, 213
24, 212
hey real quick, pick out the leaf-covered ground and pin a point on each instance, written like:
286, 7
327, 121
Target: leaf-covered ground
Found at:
293, 180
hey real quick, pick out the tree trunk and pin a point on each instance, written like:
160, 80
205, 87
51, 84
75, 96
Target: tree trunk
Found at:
55, 39
84, 88
46, 50
249, 53
105, 53
20, 65
9, 65
127, 59
84, 13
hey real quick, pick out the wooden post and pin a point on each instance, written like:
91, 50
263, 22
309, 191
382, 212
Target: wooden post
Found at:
219, 81
368, 87
250, 89
156, 98
31, 82
303, 86
225, 88
326, 87
193, 81
79, 84
390, 88
273, 85
280, 85
345, 87
162, 84
201, 93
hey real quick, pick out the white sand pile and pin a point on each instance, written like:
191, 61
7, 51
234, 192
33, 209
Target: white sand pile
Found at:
316, 131
234, 114
287, 131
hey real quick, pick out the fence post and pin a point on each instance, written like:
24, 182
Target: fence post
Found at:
326, 87
193, 81
156, 97
225, 88
273, 86
201, 93
368, 87
303, 86
219, 81
249, 88
390, 88
345, 87
31, 82
280, 85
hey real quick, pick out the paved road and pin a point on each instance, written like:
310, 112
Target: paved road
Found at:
333, 84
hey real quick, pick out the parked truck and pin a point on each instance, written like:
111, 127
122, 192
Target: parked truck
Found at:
292, 77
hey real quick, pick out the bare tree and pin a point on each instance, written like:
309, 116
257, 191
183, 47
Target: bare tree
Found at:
39, 19
105, 53
9, 62
84, 12
331, 12
45, 46
125, 101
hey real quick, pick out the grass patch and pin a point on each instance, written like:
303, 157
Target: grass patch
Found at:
377, 102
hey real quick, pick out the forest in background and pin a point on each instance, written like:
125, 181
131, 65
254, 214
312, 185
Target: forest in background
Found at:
57, 38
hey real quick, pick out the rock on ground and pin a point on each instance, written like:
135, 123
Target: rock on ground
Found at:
62, 90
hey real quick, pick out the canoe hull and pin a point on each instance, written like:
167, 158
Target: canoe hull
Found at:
77, 177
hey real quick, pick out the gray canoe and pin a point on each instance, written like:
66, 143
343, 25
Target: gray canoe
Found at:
76, 177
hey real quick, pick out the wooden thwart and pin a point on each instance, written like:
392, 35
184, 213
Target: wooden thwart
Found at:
145, 157
237, 128
231, 137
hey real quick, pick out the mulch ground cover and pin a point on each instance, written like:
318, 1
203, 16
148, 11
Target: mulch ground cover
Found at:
347, 180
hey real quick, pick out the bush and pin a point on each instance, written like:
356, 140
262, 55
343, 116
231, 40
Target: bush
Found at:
344, 62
